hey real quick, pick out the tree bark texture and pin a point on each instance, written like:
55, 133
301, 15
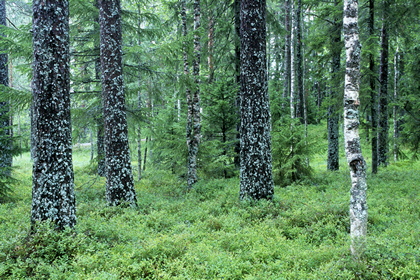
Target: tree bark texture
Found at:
356, 162
300, 108
333, 162
287, 50
6, 143
120, 184
256, 181
398, 70
193, 102
383, 126
373, 94
53, 184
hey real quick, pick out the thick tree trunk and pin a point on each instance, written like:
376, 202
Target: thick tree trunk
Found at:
333, 162
373, 94
6, 157
120, 184
256, 181
383, 127
357, 164
53, 184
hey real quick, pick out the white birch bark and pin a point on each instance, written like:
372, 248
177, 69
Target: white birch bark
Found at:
357, 164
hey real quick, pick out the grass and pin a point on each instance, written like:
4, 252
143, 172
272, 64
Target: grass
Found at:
209, 234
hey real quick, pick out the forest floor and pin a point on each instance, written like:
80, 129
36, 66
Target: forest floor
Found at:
209, 234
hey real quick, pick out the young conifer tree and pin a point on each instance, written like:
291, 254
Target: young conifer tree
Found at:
256, 180
53, 184
118, 172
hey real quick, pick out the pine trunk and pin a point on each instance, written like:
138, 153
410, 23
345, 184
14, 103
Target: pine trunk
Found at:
373, 98
120, 184
383, 126
300, 108
397, 76
53, 184
287, 51
333, 162
356, 162
256, 180
6, 157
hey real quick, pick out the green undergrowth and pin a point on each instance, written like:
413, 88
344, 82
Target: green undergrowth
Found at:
207, 233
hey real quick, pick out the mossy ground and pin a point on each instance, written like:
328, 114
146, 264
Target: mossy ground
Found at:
209, 234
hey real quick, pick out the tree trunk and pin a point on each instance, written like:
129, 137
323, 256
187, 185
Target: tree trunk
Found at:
120, 185
53, 184
373, 99
383, 126
293, 64
398, 70
356, 162
6, 143
287, 51
300, 106
193, 103
333, 163
256, 181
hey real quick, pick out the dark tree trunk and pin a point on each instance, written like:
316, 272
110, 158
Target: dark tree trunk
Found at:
373, 94
237, 12
100, 145
53, 184
300, 108
383, 126
287, 51
356, 162
193, 102
398, 72
256, 181
332, 122
120, 184
6, 143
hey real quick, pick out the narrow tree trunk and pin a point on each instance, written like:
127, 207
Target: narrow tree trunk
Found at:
357, 164
287, 51
383, 127
120, 184
53, 184
237, 12
300, 108
6, 143
293, 64
139, 156
256, 181
373, 94
333, 162
99, 119
210, 47
395, 109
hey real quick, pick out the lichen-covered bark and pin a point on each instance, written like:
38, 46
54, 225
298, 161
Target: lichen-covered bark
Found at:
256, 181
357, 164
6, 157
120, 184
373, 98
53, 184
383, 122
333, 162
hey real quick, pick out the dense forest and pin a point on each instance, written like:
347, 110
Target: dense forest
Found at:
242, 139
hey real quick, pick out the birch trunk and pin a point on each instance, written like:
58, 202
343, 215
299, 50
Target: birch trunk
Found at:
256, 180
6, 157
120, 184
356, 162
292, 64
53, 184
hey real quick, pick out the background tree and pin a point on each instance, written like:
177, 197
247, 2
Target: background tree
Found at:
53, 184
256, 180
120, 185
356, 162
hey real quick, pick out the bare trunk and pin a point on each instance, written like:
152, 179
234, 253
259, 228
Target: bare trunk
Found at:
120, 184
287, 51
292, 64
256, 180
373, 99
383, 127
53, 183
395, 109
300, 106
356, 162
6, 143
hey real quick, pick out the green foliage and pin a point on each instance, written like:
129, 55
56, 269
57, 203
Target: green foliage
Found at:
291, 152
208, 233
